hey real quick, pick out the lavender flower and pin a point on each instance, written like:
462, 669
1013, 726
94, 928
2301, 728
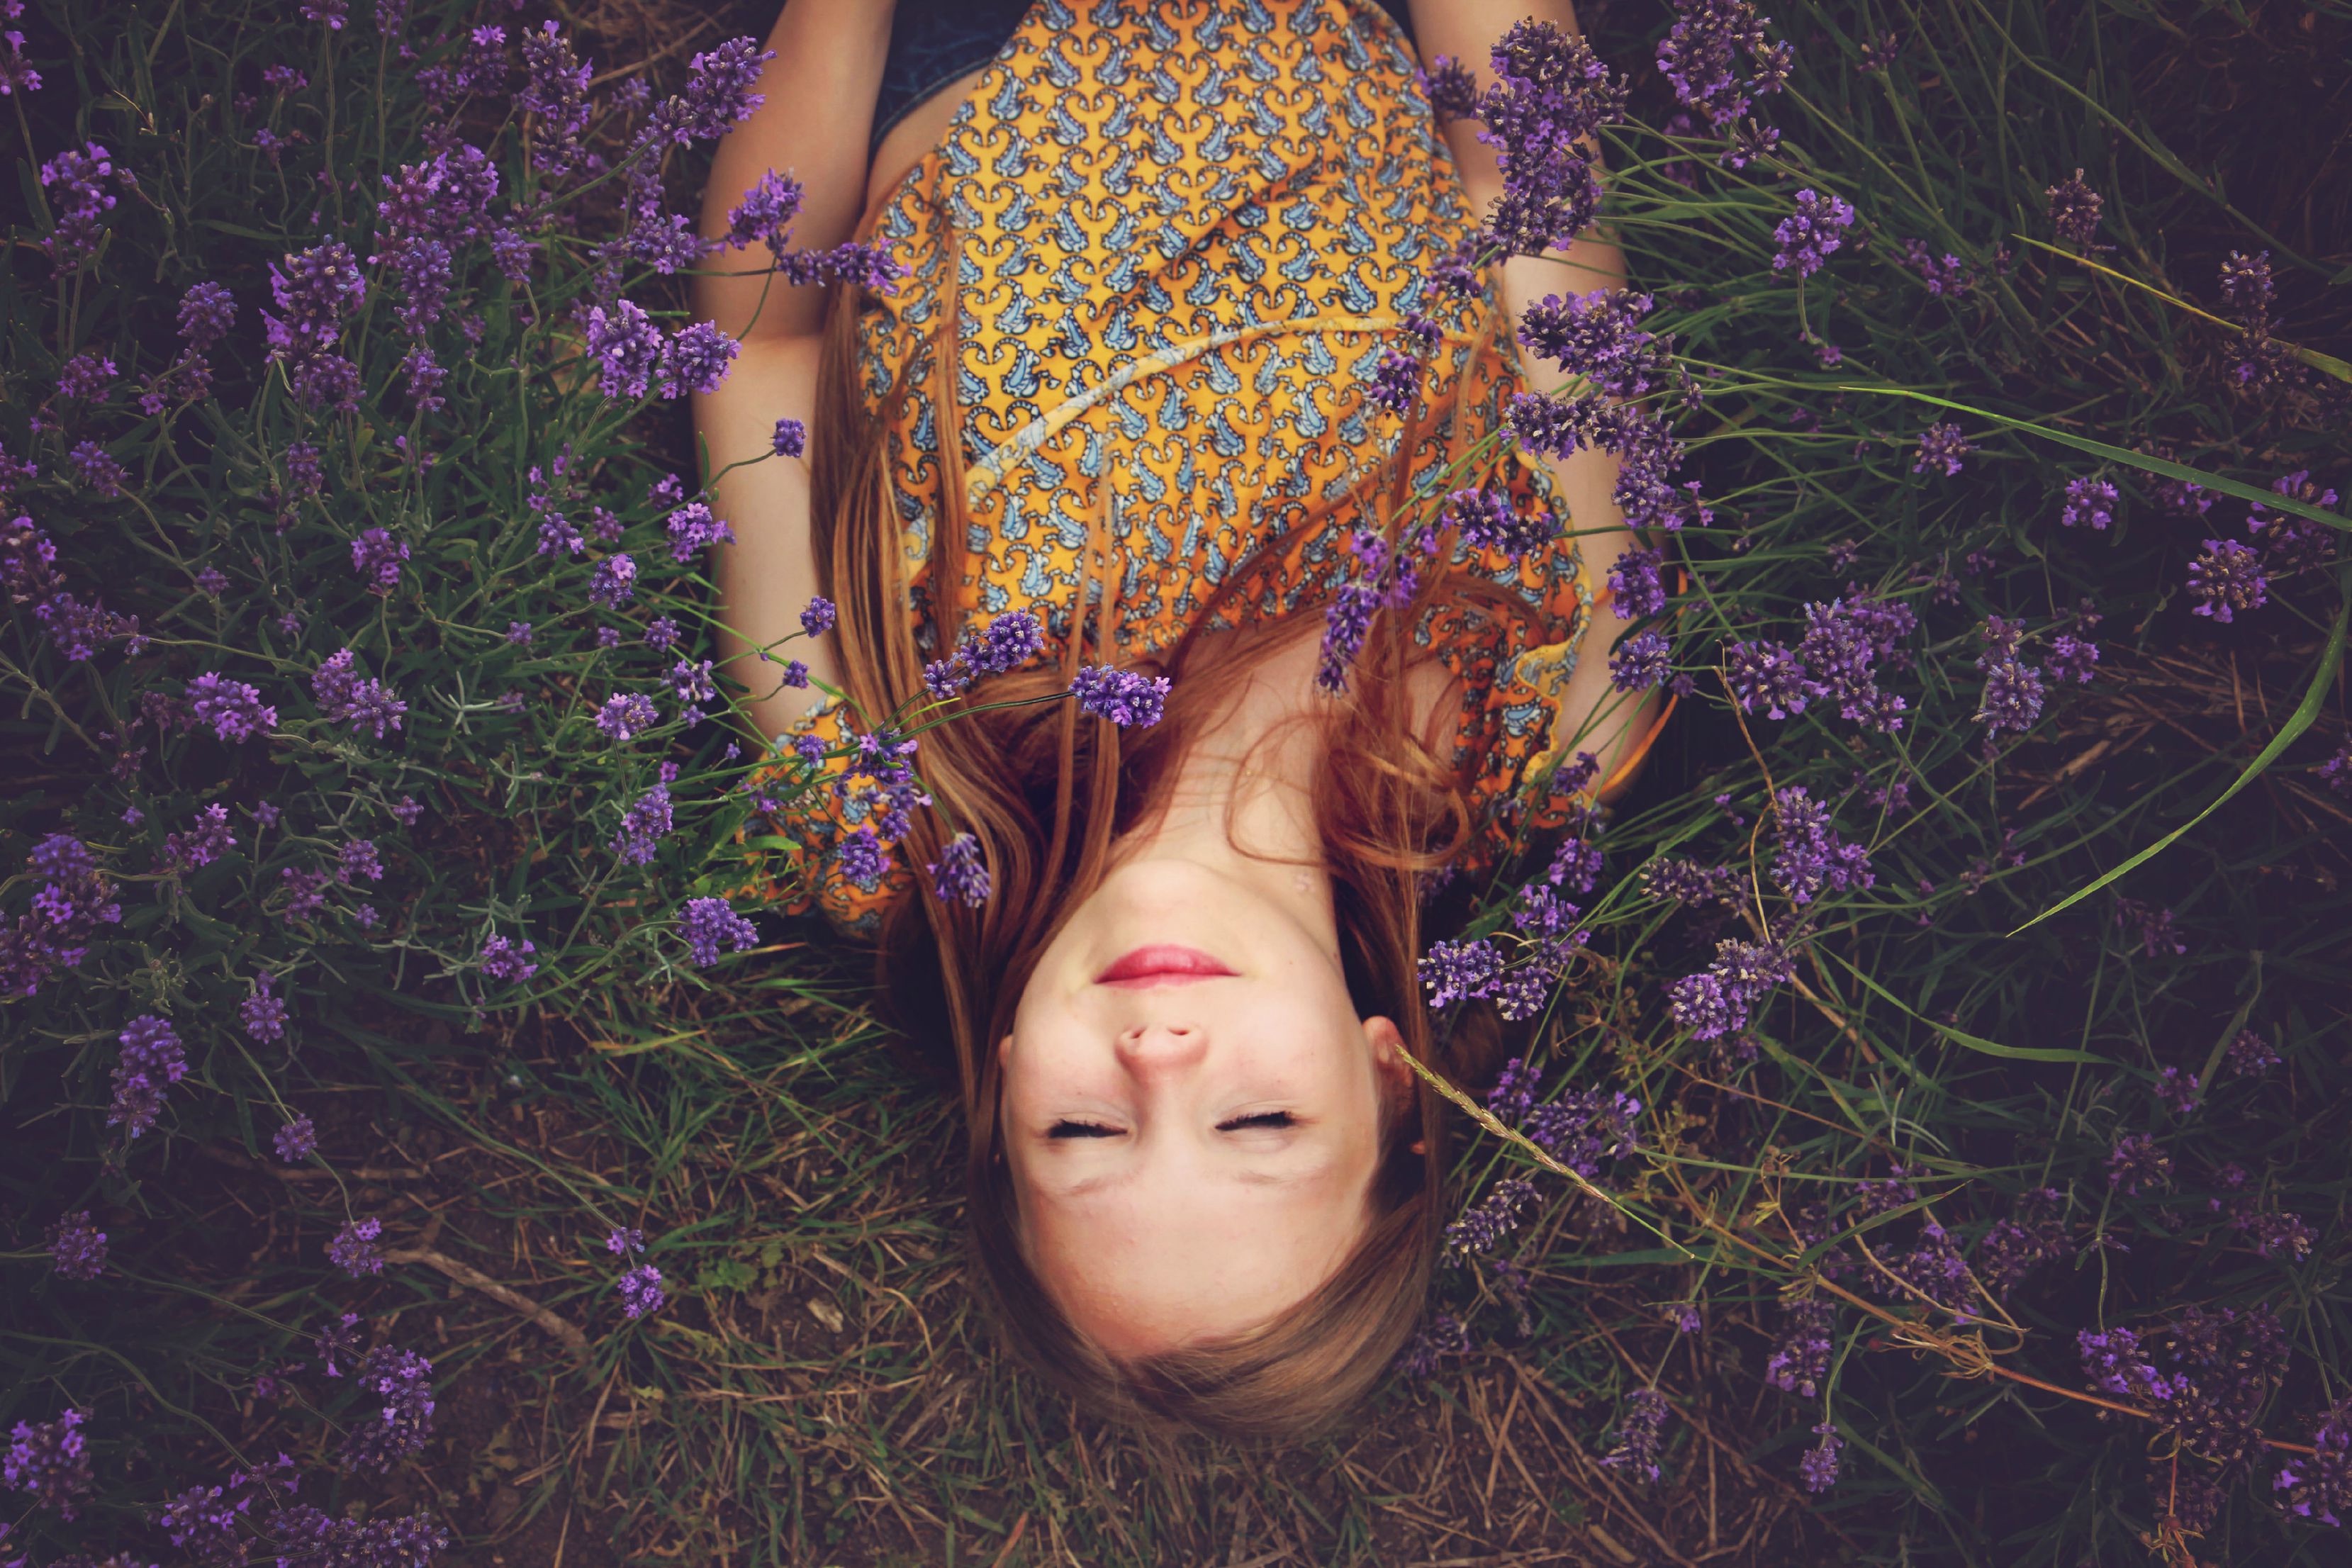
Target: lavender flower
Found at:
555, 94
1808, 238
1460, 971
696, 360
1124, 696
2012, 696
306, 893
624, 1240
708, 923
642, 826
960, 873
2135, 1162
861, 859
2088, 501
202, 845
76, 1248
641, 1291
1812, 859
98, 467
627, 348
1346, 621
1767, 675
2074, 211
344, 696
691, 527
358, 859
1818, 1469
818, 616
1699, 57
86, 377
2228, 578
1718, 1001
355, 1248
2320, 1487
402, 1380
1599, 336
790, 438
1799, 1360
2251, 1054
624, 715
2072, 658
718, 95
613, 582
1640, 662
1635, 590
1551, 94
1451, 87
296, 1141
502, 960
1487, 521
1942, 445
376, 556
76, 180
1484, 1227
314, 290
1639, 1433
1443, 1335
151, 1060
49, 1460
305, 1535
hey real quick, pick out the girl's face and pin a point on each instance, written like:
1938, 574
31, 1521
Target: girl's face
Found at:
1191, 1109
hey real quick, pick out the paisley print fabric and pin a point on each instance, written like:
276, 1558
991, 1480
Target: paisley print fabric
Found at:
1183, 234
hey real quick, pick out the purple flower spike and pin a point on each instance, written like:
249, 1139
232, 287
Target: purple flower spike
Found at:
1818, 1469
960, 875
1126, 697
76, 1248
706, 923
296, 1141
765, 213
1807, 238
2074, 211
1639, 1434
502, 959
1942, 445
626, 715
696, 360
627, 348
2229, 576
641, 1291
376, 556
49, 1460
356, 1248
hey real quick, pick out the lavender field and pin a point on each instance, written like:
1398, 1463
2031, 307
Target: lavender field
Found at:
1916, 1131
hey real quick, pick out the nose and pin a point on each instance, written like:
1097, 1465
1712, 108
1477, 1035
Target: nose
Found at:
1152, 1049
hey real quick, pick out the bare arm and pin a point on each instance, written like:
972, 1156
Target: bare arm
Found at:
814, 125
1468, 30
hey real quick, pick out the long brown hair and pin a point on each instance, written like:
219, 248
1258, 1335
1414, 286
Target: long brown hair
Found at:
1046, 792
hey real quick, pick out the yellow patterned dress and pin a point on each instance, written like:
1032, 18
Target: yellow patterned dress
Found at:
1184, 233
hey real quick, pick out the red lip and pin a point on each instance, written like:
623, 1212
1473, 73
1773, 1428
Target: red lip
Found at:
1161, 963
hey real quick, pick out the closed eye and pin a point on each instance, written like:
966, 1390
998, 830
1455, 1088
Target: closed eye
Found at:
1080, 1129
1265, 1118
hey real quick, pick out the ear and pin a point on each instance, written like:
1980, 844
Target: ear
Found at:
1387, 1059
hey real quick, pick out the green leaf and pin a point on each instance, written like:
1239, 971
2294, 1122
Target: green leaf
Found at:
1974, 1042
2124, 455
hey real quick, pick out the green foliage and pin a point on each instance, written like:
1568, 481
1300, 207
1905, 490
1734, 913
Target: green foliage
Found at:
1960, 1081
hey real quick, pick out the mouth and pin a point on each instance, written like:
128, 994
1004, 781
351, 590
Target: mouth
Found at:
1162, 964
